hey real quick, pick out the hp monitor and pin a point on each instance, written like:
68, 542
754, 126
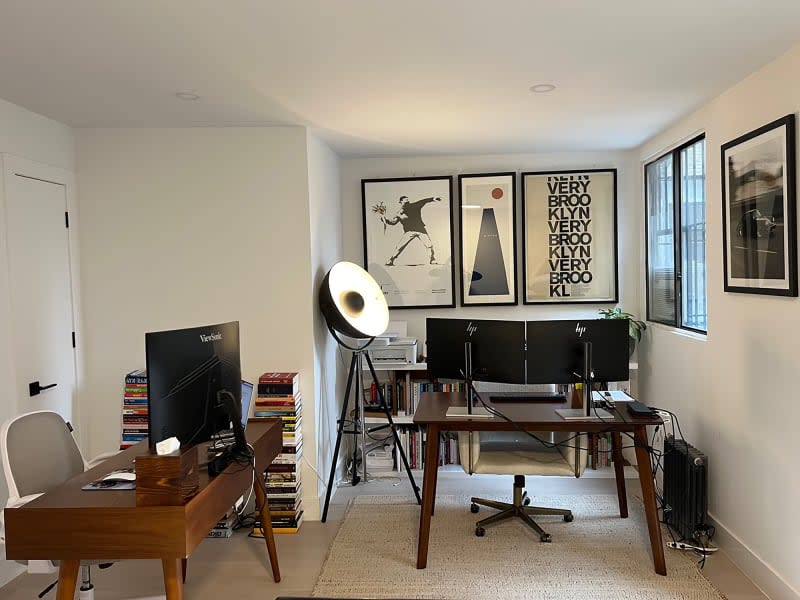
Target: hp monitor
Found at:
557, 350
194, 382
496, 349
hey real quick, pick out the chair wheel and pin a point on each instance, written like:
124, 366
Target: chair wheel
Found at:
568, 518
546, 537
474, 508
480, 531
526, 501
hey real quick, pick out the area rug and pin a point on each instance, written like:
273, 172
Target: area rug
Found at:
598, 556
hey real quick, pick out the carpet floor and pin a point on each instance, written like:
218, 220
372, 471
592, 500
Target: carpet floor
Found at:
598, 556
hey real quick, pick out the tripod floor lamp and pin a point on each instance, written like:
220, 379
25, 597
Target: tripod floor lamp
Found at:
354, 306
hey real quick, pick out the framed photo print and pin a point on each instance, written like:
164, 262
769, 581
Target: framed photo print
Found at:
488, 239
570, 236
408, 239
758, 211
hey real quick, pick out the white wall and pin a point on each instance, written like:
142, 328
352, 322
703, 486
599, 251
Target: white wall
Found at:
628, 208
190, 226
32, 136
326, 249
736, 392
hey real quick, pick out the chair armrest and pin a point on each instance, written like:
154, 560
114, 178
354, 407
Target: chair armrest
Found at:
100, 458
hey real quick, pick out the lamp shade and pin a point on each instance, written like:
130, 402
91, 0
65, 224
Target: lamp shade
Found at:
352, 302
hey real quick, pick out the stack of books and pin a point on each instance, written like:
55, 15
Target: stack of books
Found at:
134, 409
279, 396
224, 527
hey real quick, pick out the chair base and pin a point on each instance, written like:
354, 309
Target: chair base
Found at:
519, 508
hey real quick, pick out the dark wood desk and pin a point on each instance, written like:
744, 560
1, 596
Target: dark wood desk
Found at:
69, 524
431, 413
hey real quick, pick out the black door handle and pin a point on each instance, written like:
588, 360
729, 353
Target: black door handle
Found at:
34, 389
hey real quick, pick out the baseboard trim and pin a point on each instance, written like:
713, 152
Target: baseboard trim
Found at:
760, 573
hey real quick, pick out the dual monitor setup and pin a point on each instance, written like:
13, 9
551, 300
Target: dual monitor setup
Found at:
528, 352
195, 388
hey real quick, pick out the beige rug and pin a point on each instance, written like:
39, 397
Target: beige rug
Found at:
597, 556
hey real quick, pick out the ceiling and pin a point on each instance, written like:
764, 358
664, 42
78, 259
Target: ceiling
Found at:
378, 77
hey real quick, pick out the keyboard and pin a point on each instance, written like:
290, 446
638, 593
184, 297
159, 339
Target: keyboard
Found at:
527, 397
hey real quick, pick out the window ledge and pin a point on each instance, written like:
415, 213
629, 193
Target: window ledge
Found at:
703, 337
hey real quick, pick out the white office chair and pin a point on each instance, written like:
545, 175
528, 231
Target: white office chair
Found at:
38, 453
515, 453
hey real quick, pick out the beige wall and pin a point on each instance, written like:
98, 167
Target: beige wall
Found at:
736, 392
191, 226
628, 211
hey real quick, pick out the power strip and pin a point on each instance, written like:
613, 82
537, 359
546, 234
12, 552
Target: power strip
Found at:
685, 546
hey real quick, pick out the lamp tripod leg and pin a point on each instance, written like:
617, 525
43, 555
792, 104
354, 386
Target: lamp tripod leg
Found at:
339, 432
393, 427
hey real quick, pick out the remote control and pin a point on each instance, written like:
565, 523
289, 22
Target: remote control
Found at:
637, 409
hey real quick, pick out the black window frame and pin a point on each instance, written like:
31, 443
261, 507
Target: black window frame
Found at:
677, 202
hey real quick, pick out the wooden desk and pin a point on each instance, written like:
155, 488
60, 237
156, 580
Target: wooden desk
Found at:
69, 524
431, 413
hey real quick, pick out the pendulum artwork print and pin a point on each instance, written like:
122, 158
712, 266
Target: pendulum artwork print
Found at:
488, 234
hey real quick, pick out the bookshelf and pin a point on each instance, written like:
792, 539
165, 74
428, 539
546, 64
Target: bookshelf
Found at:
407, 381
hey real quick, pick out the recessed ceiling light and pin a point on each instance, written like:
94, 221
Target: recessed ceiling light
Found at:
187, 96
542, 88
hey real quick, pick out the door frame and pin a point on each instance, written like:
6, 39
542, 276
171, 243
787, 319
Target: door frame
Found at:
13, 166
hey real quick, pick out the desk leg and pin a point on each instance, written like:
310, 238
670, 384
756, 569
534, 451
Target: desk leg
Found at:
428, 494
183, 570
266, 525
67, 578
173, 578
619, 471
649, 498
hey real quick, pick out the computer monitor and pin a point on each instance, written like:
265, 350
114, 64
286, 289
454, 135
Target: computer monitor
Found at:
497, 349
194, 382
556, 350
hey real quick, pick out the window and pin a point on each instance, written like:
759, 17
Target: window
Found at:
676, 237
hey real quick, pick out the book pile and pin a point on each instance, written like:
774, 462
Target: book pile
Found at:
134, 409
279, 396
224, 527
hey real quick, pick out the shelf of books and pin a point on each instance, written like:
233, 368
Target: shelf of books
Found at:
134, 409
279, 396
403, 394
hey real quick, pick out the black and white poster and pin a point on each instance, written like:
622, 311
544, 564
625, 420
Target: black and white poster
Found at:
759, 226
488, 239
408, 239
570, 236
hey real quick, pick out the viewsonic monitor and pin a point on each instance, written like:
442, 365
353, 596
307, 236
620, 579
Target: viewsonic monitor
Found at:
556, 350
194, 381
497, 347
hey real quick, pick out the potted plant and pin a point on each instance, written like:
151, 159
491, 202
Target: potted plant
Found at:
635, 327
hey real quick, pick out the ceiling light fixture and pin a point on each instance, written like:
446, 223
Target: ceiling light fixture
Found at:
542, 88
187, 96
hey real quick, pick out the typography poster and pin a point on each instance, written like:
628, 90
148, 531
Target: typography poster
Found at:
570, 236
408, 239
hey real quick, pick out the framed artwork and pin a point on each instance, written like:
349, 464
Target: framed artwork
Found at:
408, 239
758, 211
570, 236
488, 239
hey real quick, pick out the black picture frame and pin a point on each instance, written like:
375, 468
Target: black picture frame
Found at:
538, 270
488, 239
408, 249
759, 222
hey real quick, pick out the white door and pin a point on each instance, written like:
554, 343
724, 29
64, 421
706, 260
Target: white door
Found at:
41, 293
